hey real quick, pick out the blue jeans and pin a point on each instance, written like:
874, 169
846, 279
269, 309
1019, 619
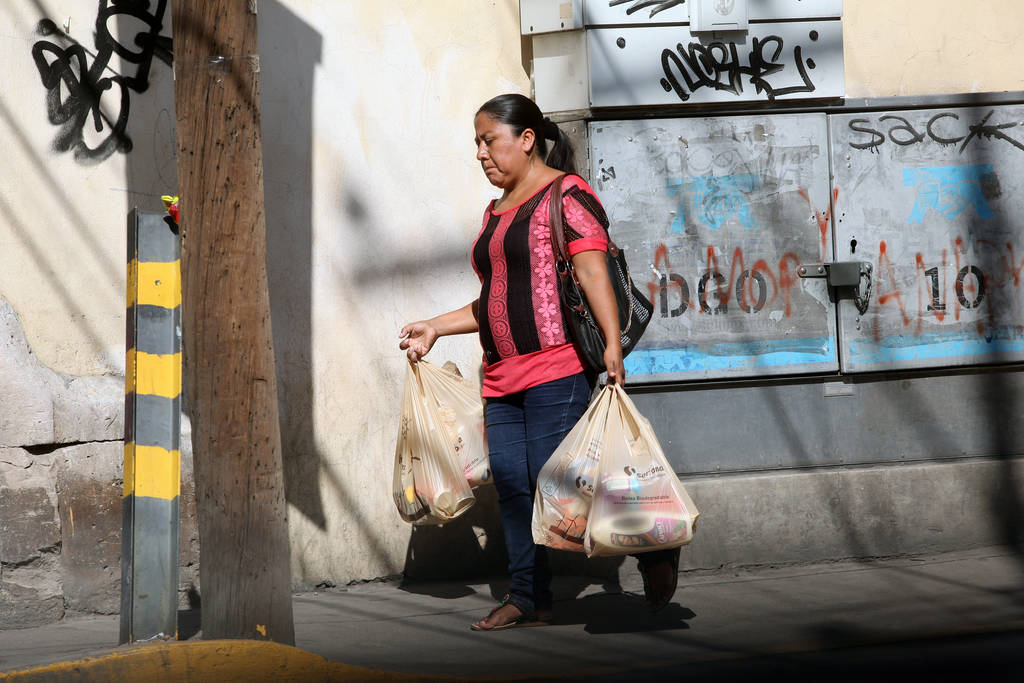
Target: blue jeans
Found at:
523, 431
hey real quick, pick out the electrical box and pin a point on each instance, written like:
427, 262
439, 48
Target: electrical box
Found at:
718, 15
550, 16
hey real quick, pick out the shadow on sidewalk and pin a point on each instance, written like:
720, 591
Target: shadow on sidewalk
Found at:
472, 549
604, 613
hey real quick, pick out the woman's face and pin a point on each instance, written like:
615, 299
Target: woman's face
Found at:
503, 155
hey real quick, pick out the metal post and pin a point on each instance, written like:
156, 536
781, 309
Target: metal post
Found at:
152, 423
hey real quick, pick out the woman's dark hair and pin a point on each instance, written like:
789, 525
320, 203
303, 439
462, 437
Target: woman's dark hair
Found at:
520, 112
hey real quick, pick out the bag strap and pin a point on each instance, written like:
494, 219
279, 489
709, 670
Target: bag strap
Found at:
558, 225
555, 219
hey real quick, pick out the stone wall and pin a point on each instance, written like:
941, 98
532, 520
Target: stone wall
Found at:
61, 452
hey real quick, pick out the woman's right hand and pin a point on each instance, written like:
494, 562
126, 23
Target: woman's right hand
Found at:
417, 339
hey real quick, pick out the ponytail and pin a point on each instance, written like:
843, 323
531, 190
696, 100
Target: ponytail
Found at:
520, 113
562, 155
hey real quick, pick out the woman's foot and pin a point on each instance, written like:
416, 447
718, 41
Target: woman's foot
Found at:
507, 615
661, 576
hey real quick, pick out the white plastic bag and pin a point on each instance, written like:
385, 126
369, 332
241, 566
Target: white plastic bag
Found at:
429, 483
608, 488
565, 485
462, 412
639, 503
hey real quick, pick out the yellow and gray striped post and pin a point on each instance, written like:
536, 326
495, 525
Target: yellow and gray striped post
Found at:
152, 424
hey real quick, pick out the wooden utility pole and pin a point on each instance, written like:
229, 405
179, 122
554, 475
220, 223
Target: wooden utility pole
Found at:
245, 572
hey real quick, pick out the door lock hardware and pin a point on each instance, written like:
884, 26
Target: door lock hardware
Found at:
841, 274
856, 274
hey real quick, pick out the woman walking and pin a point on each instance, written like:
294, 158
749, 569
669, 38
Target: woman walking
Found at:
536, 382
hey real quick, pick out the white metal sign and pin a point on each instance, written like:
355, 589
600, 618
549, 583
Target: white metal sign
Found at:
660, 65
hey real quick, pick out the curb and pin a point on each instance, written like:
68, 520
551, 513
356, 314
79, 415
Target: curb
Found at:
216, 661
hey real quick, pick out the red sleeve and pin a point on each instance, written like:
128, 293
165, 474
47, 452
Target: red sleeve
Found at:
584, 216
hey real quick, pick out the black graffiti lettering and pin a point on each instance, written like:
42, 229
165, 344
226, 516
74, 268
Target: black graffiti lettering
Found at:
77, 90
741, 291
911, 135
702, 292
975, 130
701, 66
877, 140
761, 67
85, 90
979, 295
658, 5
935, 136
808, 86
718, 66
993, 131
915, 136
146, 43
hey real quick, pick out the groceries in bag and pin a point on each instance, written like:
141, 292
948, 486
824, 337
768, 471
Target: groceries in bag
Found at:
430, 484
462, 412
565, 484
639, 504
608, 488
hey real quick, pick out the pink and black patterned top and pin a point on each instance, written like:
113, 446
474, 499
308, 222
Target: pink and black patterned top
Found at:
522, 329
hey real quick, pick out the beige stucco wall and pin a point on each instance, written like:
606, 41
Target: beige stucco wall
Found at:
397, 199
929, 47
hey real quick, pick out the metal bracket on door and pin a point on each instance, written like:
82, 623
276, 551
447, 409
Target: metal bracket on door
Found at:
856, 274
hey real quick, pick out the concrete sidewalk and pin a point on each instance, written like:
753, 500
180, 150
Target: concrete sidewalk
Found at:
846, 620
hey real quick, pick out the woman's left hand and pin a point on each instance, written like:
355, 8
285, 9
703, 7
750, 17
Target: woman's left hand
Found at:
613, 365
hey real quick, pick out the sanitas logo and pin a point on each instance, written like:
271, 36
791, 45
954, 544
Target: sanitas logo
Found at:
725, 7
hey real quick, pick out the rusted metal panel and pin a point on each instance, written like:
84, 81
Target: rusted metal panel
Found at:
716, 215
932, 198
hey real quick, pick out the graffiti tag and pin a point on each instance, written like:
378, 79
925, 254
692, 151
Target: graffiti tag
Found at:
719, 66
80, 92
950, 190
657, 5
904, 133
719, 199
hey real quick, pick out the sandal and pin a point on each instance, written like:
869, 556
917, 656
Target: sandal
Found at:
542, 618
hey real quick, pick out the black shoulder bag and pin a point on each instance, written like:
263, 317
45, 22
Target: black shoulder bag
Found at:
634, 308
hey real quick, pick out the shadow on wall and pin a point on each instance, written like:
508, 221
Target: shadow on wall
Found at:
1002, 400
290, 50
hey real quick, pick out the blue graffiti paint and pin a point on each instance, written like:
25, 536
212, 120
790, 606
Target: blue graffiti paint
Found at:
949, 190
732, 356
906, 348
674, 187
718, 199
